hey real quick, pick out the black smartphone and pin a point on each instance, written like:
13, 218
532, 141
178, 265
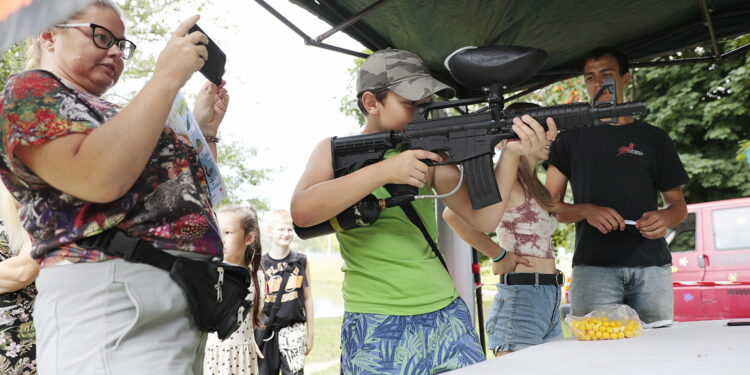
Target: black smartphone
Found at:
213, 69
739, 322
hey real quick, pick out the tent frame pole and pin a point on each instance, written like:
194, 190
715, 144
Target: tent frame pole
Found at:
308, 40
351, 20
712, 34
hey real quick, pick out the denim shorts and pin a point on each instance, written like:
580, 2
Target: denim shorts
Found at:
648, 290
522, 316
430, 343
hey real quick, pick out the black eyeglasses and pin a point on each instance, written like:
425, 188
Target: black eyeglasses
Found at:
104, 39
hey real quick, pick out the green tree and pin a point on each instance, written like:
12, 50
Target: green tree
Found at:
571, 90
12, 61
233, 164
348, 103
705, 108
150, 24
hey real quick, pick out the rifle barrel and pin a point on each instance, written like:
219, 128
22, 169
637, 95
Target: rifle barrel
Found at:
581, 114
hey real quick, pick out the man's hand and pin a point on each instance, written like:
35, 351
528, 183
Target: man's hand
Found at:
652, 224
509, 263
604, 219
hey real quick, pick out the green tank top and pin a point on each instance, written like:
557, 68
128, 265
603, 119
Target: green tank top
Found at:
389, 268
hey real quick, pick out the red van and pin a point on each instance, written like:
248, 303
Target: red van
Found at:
711, 261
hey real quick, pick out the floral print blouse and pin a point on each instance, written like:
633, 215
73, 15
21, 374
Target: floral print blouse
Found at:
17, 334
168, 205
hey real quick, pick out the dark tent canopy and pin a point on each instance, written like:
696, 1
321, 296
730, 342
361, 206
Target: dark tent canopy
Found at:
567, 30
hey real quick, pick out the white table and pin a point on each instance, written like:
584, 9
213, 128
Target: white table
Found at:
705, 348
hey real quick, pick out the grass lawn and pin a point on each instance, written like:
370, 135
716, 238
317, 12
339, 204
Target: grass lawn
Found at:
327, 277
325, 356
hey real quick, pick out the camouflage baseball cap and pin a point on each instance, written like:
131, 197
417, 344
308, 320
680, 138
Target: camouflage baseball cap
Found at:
402, 72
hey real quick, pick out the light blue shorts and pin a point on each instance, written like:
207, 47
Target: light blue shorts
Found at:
648, 290
523, 316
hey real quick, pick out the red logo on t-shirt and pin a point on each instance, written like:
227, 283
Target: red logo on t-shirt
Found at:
629, 149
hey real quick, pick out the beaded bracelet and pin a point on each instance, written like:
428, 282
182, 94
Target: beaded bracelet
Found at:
211, 139
500, 257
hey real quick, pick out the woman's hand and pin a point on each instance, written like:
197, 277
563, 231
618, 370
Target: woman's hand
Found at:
509, 263
210, 107
184, 54
18, 271
531, 136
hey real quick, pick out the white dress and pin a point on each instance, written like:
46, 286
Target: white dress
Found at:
236, 355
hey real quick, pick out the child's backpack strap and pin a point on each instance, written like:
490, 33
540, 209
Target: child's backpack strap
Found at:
276, 304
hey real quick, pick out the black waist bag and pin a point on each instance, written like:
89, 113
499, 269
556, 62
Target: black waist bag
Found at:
216, 292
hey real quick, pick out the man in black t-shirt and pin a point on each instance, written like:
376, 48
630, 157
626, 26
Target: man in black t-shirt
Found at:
616, 172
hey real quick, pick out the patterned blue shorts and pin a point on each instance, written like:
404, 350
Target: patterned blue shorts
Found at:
430, 343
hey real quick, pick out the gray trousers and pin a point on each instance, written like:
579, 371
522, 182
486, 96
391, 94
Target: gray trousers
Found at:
114, 317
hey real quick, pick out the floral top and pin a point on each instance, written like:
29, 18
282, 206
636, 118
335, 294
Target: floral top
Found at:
168, 205
17, 334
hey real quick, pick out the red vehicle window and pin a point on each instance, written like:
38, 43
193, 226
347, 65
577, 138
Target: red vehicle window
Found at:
682, 237
731, 228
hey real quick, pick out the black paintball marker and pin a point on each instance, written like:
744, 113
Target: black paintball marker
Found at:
470, 139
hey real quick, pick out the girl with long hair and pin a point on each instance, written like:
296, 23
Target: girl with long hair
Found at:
526, 307
238, 353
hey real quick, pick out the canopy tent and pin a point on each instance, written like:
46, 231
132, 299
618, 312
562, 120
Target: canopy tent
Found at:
21, 19
643, 29
566, 30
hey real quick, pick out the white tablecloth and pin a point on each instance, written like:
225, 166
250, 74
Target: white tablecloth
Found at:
705, 348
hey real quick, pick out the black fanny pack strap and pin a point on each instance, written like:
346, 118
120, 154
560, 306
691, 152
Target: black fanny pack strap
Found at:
117, 243
204, 283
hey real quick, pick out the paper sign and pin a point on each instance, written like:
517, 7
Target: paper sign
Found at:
181, 120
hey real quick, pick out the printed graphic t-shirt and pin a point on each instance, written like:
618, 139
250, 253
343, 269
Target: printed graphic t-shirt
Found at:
623, 167
292, 309
168, 205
